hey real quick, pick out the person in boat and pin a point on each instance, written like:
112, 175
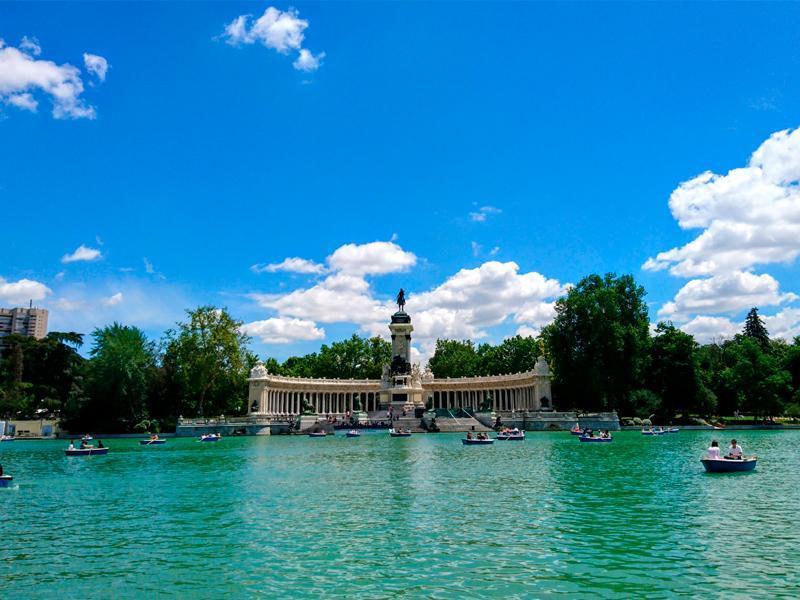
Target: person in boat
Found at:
469, 435
713, 451
100, 444
83, 445
735, 451
71, 446
1, 470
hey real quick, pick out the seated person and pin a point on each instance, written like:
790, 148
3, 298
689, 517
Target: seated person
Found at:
713, 451
469, 435
735, 451
71, 446
100, 443
83, 444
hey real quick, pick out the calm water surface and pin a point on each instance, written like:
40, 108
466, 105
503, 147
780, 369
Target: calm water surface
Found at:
418, 517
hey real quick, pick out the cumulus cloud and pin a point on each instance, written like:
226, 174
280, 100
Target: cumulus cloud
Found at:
281, 330
483, 213
23, 76
306, 61
291, 265
96, 65
282, 31
82, 253
706, 329
729, 293
785, 324
749, 216
375, 258
21, 291
466, 305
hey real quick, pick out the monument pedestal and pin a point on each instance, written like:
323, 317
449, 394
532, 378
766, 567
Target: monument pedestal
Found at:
309, 422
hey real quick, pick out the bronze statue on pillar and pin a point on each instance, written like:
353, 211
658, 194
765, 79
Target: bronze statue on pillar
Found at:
401, 300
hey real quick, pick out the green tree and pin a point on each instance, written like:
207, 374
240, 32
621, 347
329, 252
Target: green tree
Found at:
207, 361
763, 388
37, 375
514, 355
675, 374
353, 358
454, 358
754, 329
119, 374
598, 342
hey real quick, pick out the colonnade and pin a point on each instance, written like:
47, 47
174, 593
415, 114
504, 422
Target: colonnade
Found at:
502, 398
277, 401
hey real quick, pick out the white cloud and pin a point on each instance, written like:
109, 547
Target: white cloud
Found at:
476, 248
290, 265
82, 253
282, 31
749, 216
306, 61
30, 45
526, 331
494, 251
25, 101
338, 298
97, 65
784, 325
729, 293
281, 330
22, 75
466, 305
375, 258
483, 213
21, 291
707, 329
113, 300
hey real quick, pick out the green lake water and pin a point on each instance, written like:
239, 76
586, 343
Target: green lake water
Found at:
417, 517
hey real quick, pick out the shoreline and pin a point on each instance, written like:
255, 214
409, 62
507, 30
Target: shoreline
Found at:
622, 428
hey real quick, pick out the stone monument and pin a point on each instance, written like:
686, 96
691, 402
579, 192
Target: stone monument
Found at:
402, 382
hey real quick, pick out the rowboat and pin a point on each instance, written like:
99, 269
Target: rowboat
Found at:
5, 481
725, 465
576, 430
6, 438
651, 431
210, 437
476, 442
87, 438
157, 442
673, 430
318, 434
586, 438
399, 433
514, 435
353, 433
85, 451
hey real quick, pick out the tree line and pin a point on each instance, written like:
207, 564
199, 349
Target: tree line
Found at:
128, 382
600, 346
604, 356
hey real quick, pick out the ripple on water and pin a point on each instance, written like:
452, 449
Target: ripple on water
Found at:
378, 517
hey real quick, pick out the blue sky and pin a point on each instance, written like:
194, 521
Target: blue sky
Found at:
483, 156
